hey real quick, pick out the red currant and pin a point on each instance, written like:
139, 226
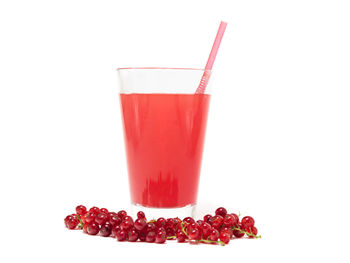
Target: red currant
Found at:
92, 228
189, 220
115, 220
101, 218
126, 225
72, 223
106, 229
81, 210
193, 234
122, 214
115, 230
247, 222
221, 211
252, 230
161, 222
161, 237
141, 214
150, 227
142, 235
225, 237
151, 237
89, 217
104, 210
238, 233
94, 210
216, 221
235, 219
121, 235
206, 218
140, 223
229, 220
228, 230
180, 236
132, 235
214, 235
206, 229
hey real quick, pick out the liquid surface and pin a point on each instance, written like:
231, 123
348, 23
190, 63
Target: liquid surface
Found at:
164, 135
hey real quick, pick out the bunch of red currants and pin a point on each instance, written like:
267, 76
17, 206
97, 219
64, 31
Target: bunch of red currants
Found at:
217, 229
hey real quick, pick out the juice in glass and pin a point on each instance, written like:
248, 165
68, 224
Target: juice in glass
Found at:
164, 125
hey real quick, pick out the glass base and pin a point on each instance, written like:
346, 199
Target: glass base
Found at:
154, 213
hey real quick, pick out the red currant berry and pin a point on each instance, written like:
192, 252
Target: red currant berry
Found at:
180, 236
89, 217
140, 223
206, 229
206, 218
170, 231
94, 210
229, 220
161, 222
150, 227
214, 235
106, 229
66, 219
151, 237
132, 235
247, 222
221, 211
235, 219
227, 230
171, 223
142, 235
104, 210
216, 221
193, 234
121, 235
92, 228
122, 214
126, 225
189, 220
225, 237
141, 214
199, 222
192, 226
238, 233
115, 220
101, 218
115, 230
161, 237
72, 223
110, 214
252, 230
81, 210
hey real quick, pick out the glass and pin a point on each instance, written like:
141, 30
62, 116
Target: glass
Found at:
164, 125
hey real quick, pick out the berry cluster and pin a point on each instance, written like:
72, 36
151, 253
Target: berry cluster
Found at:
217, 229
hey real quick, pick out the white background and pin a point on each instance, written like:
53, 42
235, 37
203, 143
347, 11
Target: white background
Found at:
277, 144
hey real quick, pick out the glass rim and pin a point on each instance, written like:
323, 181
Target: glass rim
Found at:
163, 68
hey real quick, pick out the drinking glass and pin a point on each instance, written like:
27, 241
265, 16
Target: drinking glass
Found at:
164, 125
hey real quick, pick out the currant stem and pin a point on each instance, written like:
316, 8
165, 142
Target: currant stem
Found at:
171, 237
211, 241
245, 232
183, 228
81, 224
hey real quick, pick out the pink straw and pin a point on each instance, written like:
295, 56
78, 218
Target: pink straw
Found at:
214, 50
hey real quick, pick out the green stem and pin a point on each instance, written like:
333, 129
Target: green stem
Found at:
211, 241
183, 228
245, 232
81, 224
171, 237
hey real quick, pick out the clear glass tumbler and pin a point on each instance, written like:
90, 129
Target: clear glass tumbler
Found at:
164, 125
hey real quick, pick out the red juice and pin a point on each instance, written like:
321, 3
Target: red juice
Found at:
164, 136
